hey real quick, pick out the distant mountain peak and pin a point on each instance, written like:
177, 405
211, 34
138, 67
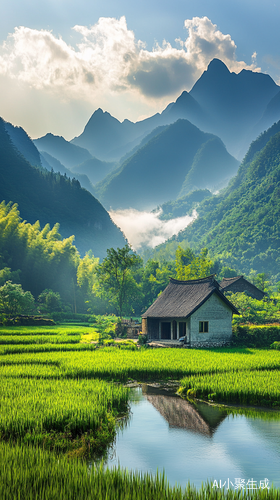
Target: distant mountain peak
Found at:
217, 66
185, 98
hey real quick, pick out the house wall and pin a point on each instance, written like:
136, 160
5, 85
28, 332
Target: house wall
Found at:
153, 328
219, 317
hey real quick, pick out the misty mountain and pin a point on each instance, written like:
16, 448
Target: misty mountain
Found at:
235, 107
142, 143
158, 171
271, 114
66, 152
212, 168
109, 139
50, 198
242, 224
235, 103
188, 108
94, 169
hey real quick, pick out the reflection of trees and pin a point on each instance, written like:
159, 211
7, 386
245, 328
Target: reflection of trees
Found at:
179, 413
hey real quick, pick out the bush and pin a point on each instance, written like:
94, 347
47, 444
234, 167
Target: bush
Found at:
142, 339
275, 345
255, 335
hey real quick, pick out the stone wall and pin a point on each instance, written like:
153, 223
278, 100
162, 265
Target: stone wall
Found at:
219, 318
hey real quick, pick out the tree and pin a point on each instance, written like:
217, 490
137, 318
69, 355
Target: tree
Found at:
115, 278
14, 300
190, 266
86, 274
50, 301
155, 278
7, 275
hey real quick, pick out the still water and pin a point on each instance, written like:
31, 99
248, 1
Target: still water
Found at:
197, 443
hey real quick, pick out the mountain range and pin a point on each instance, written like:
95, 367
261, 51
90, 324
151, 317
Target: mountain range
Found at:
236, 107
51, 197
176, 159
143, 164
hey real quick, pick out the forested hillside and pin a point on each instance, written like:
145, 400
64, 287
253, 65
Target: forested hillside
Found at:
242, 224
53, 198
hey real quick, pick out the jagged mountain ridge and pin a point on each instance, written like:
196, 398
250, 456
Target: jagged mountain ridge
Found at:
226, 104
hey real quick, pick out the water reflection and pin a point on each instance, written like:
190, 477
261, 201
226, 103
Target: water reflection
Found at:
196, 443
203, 419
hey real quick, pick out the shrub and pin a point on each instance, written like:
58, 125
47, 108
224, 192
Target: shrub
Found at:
255, 335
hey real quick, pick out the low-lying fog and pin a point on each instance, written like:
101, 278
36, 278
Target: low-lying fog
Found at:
146, 229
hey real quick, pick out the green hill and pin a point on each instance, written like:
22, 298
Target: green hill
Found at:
50, 198
242, 224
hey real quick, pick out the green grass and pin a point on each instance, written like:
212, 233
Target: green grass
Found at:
59, 402
32, 348
111, 363
65, 329
40, 339
59, 414
42, 476
246, 387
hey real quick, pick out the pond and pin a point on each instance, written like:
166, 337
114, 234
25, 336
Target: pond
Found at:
198, 443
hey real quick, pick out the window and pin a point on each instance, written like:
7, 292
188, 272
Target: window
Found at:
203, 326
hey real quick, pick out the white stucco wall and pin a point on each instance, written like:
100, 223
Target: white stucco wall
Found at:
219, 316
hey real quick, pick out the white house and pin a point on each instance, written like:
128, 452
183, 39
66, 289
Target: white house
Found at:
195, 309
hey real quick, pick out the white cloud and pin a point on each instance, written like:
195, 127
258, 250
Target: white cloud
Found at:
110, 59
145, 228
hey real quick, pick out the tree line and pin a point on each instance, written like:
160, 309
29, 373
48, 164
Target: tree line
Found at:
41, 272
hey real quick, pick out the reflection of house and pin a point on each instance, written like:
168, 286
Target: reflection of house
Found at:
201, 418
196, 309
240, 284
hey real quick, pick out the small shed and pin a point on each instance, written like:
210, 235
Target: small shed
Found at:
195, 309
240, 284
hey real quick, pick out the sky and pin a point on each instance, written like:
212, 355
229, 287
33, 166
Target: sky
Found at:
60, 60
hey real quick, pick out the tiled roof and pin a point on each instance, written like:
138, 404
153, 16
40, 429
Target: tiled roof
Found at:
228, 281
181, 298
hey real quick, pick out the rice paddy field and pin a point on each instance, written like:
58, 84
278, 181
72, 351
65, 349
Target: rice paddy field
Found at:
61, 396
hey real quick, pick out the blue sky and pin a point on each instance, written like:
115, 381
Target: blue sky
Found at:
62, 59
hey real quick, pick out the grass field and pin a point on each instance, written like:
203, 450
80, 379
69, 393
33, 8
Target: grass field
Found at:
60, 401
